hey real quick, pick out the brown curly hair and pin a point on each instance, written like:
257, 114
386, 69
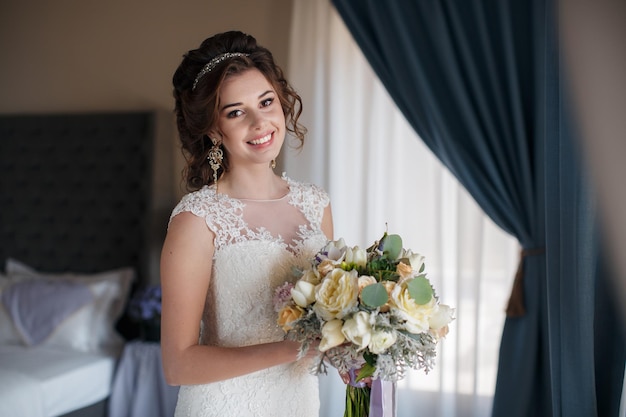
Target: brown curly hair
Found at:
196, 108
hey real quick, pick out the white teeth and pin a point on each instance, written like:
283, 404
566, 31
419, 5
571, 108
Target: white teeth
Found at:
262, 140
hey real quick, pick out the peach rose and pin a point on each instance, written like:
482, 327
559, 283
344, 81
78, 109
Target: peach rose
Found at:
404, 270
288, 315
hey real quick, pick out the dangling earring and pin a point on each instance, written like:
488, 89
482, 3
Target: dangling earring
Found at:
215, 158
273, 163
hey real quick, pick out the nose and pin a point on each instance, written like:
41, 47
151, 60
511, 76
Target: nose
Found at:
257, 119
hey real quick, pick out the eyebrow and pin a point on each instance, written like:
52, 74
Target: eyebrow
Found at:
239, 104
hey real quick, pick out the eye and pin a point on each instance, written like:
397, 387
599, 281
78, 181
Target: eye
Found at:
234, 113
267, 102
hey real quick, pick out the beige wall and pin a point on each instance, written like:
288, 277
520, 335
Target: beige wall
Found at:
61, 56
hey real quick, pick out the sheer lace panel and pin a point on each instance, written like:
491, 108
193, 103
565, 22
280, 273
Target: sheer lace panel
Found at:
289, 220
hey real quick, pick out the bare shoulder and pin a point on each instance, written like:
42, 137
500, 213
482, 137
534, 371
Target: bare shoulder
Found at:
188, 237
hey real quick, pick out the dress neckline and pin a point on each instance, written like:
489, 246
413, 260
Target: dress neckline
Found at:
254, 200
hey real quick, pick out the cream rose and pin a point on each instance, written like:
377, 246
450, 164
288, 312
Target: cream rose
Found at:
331, 335
336, 294
381, 341
358, 329
288, 315
303, 293
416, 316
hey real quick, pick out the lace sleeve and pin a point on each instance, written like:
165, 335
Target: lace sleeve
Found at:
312, 200
194, 203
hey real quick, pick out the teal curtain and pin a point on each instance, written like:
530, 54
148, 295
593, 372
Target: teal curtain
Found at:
481, 83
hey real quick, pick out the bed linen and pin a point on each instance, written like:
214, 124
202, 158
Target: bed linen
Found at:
47, 381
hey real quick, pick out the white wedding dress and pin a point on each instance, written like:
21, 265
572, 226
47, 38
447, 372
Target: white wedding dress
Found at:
257, 243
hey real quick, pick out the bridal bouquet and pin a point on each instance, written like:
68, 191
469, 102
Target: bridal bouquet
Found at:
373, 311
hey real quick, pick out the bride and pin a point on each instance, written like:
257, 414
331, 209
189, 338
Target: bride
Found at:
235, 237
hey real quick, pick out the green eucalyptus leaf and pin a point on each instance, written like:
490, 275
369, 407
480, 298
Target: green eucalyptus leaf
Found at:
374, 295
392, 246
420, 290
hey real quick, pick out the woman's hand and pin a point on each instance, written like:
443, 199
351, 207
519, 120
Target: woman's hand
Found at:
346, 378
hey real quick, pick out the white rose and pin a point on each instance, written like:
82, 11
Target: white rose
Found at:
356, 256
311, 275
331, 335
381, 341
358, 329
303, 293
415, 259
416, 316
337, 294
441, 317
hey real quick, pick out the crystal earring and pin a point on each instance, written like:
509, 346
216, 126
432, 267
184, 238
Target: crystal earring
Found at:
273, 164
215, 158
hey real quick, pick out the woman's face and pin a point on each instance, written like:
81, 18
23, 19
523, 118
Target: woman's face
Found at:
250, 122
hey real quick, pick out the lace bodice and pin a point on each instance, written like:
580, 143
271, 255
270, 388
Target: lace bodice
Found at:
257, 243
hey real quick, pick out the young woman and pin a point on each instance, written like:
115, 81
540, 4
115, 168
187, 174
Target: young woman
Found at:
235, 238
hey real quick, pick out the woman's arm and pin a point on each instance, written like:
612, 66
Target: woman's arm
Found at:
327, 222
186, 262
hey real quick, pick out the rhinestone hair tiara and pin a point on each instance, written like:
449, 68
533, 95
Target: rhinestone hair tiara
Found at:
213, 63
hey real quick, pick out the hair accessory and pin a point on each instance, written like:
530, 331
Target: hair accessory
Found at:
216, 155
213, 63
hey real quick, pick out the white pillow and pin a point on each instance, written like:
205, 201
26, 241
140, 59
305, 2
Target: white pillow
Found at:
8, 332
92, 327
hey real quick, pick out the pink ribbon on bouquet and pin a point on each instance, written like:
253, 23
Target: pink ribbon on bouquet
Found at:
383, 399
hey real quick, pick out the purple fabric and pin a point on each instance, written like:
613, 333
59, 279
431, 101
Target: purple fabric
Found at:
383, 399
139, 388
353, 381
37, 307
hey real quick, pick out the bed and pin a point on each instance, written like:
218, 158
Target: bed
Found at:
75, 192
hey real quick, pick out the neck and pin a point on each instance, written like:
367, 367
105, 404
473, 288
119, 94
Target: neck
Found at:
258, 185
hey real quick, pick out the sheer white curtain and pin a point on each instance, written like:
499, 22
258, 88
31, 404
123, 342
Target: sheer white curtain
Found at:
381, 176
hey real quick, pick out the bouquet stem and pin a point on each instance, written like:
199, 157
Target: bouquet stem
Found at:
357, 398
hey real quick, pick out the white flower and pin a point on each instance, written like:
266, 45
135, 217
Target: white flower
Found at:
331, 335
381, 341
356, 256
303, 293
335, 250
358, 329
311, 275
337, 294
442, 316
415, 259
416, 316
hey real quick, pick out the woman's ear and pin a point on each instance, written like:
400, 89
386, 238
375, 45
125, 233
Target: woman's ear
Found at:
214, 135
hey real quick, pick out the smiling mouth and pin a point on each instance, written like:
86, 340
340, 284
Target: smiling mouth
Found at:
262, 140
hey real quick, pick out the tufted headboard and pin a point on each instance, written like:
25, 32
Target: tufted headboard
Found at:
75, 190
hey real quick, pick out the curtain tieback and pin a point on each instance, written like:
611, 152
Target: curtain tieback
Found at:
516, 307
